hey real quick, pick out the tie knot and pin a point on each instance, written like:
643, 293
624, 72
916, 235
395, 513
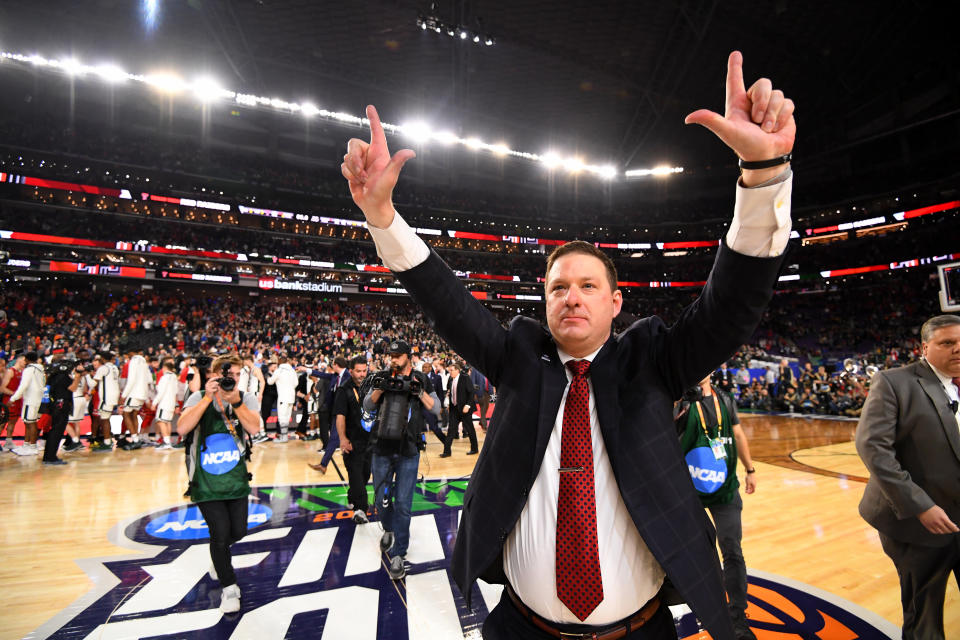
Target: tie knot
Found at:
579, 367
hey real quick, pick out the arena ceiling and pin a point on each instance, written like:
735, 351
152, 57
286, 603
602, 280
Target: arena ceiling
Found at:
608, 80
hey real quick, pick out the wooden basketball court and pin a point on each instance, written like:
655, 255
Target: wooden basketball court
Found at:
801, 524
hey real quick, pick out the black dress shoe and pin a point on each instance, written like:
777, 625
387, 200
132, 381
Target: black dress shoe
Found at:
445, 454
472, 453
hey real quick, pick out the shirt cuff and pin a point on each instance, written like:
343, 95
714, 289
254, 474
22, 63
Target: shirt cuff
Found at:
761, 218
398, 245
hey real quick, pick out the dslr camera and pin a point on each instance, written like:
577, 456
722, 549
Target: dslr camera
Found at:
693, 394
227, 382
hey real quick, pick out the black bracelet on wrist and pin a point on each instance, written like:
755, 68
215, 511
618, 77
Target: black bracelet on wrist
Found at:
751, 470
766, 164
236, 405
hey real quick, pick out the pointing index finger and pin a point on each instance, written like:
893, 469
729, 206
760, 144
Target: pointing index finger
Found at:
735, 86
376, 129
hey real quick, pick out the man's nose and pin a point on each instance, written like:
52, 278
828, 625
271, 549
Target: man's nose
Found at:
573, 296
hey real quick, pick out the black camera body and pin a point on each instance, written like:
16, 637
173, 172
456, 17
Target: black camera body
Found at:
61, 366
693, 394
227, 382
396, 405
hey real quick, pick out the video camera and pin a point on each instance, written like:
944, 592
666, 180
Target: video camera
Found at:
397, 384
61, 366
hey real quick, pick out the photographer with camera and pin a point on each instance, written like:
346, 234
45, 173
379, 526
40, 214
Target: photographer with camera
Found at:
216, 464
712, 439
397, 396
64, 378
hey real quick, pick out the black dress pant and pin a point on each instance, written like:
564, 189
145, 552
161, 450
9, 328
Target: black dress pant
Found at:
227, 523
58, 424
266, 407
923, 572
358, 463
457, 417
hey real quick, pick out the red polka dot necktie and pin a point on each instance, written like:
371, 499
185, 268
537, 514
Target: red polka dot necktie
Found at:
579, 585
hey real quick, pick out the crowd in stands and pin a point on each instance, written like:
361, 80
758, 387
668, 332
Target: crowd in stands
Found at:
37, 142
872, 326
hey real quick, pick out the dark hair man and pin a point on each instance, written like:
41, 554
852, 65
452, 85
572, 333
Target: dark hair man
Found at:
354, 437
397, 396
531, 516
909, 438
712, 439
461, 392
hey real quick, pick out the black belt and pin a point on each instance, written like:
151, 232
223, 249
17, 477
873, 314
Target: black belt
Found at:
613, 632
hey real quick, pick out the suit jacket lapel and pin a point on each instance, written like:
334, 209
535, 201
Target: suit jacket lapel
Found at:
603, 374
941, 403
552, 383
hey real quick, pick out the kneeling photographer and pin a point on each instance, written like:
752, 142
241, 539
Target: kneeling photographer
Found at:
397, 397
216, 462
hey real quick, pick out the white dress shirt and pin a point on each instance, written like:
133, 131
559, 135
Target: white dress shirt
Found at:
630, 573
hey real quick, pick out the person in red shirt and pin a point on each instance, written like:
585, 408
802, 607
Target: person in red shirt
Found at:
9, 384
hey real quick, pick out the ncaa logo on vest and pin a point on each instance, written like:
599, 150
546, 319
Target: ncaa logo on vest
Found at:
220, 454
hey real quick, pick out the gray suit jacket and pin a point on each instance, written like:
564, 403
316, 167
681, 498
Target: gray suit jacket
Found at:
909, 440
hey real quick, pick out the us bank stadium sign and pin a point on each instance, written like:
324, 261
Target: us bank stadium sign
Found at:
306, 570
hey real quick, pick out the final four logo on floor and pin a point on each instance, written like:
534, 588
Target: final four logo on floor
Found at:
306, 570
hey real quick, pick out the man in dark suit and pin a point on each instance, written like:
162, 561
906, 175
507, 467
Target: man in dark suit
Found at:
461, 393
581, 409
482, 391
909, 438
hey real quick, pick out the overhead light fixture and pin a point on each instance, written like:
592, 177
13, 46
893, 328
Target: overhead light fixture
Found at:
657, 171
207, 89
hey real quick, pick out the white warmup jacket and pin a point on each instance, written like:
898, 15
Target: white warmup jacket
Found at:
32, 382
286, 380
138, 379
108, 385
166, 399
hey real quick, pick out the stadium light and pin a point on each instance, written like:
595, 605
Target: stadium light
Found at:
166, 82
656, 171
206, 90
551, 160
417, 131
111, 73
72, 67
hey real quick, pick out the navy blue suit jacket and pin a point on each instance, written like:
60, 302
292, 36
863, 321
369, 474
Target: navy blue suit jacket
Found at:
636, 377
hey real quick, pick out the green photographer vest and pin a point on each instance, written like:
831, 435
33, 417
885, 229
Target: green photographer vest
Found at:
215, 459
714, 480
